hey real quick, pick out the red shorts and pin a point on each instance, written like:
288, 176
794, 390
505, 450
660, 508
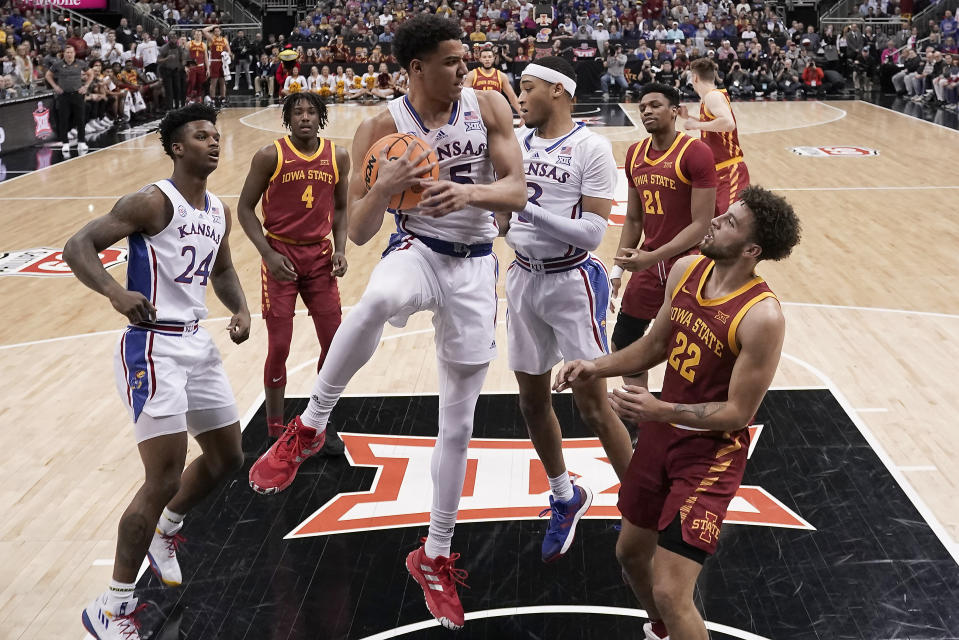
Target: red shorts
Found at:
692, 473
196, 75
646, 290
216, 68
314, 282
729, 182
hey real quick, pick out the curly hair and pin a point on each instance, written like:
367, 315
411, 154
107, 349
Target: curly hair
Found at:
422, 35
313, 98
670, 93
776, 228
173, 121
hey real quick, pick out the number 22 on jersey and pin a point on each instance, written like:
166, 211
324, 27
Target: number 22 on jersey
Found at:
684, 356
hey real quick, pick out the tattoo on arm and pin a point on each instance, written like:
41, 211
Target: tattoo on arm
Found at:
701, 411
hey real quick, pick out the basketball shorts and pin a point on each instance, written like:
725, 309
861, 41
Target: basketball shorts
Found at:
162, 374
555, 316
646, 290
315, 283
216, 69
461, 293
730, 181
628, 330
694, 473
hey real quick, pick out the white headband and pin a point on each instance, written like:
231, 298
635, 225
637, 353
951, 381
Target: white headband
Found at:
551, 75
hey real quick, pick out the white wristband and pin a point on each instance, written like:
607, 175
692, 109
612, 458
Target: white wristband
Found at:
616, 272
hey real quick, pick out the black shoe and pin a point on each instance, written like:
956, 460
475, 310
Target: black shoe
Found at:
333, 446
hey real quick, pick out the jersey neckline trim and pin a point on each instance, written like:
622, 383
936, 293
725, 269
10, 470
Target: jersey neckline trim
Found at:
419, 120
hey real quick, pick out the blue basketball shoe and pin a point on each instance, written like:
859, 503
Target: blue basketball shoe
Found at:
562, 522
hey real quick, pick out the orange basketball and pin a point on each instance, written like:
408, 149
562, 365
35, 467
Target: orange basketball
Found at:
395, 145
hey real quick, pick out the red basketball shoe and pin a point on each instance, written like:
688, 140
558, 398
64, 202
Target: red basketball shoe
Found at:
438, 579
274, 470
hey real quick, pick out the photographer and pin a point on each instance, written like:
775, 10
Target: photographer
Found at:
615, 64
738, 82
643, 77
786, 80
763, 82
812, 77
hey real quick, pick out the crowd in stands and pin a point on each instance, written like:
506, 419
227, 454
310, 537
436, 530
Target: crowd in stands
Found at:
342, 48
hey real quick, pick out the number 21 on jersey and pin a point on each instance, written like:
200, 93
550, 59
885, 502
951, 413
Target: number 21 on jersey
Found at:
651, 203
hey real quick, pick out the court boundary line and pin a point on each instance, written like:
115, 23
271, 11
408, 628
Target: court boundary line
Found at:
951, 546
931, 314
906, 115
484, 614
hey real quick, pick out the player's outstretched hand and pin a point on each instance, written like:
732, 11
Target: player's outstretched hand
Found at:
239, 326
634, 259
134, 306
634, 404
442, 197
279, 266
339, 264
683, 112
398, 175
575, 371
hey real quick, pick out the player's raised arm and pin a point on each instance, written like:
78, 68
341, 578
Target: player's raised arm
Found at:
227, 287
506, 194
141, 212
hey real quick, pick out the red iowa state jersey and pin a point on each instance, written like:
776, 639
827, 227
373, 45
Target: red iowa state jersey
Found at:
487, 81
664, 181
298, 203
217, 47
702, 346
198, 51
724, 144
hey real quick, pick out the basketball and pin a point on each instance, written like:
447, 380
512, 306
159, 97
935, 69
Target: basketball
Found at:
396, 145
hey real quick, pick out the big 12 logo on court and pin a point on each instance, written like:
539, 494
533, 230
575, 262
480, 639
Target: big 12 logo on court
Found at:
504, 481
48, 261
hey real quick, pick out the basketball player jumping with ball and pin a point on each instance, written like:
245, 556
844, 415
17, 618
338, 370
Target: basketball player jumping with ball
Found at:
440, 259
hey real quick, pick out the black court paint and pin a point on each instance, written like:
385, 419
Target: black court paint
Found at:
871, 569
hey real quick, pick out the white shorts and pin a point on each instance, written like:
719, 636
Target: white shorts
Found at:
461, 293
177, 376
556, 316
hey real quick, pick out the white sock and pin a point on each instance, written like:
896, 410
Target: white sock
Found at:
169, 522
322, 401
118, 593
440, 537
561, 487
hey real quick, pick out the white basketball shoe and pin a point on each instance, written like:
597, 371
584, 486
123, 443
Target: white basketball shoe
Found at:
162, 557
105, 624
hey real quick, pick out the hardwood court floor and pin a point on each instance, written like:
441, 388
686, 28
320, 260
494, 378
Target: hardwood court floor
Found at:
868, 298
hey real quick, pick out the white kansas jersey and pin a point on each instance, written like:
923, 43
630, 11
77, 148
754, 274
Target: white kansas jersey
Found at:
559, 172
463, 153
172, 268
